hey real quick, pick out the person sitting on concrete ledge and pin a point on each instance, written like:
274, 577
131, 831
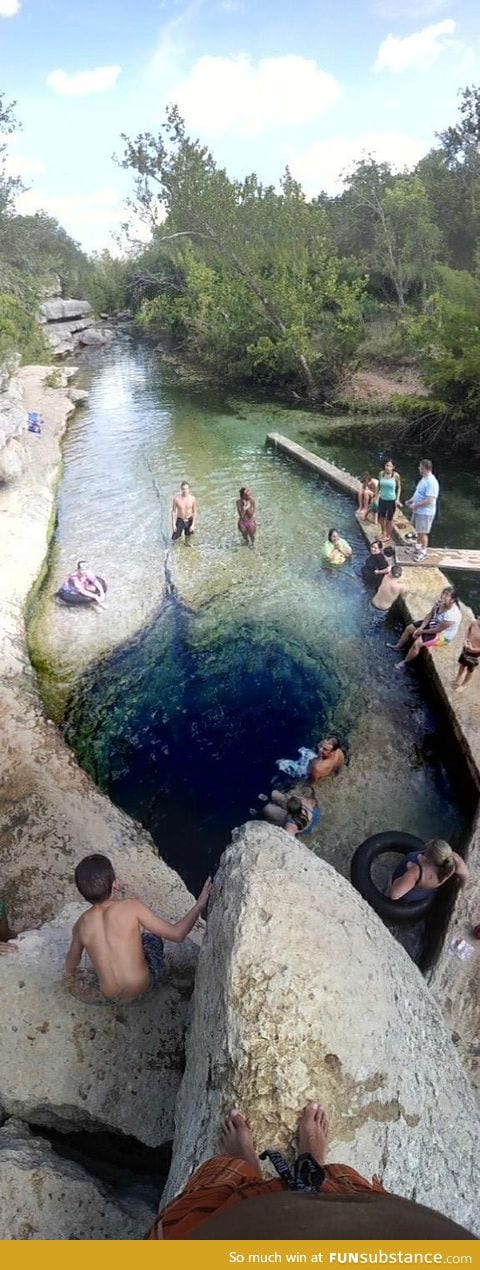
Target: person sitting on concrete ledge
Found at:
367, 498
390, 589
440, 626
229, 1195
123, 938
330, 760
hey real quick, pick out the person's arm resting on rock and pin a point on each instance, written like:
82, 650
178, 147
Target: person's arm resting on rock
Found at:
173, 931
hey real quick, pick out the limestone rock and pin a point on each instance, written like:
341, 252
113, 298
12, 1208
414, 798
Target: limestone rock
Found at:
57, 310
95, 337
12, 461
43, 1196
302, 993
78, 395
76, 1065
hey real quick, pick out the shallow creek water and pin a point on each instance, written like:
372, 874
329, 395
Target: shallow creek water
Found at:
212, 661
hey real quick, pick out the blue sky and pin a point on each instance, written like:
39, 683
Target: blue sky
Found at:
264, 82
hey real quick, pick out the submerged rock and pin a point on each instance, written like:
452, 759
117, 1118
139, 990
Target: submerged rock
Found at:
72, 1065
45, 1197
302, 993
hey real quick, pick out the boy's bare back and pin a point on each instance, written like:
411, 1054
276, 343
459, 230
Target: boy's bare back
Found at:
111, 936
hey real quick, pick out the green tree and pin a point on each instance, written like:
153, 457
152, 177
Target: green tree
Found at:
403, 241
261, 258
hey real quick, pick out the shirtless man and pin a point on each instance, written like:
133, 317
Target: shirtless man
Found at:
184, 512
122, 938
469, 657
330, 759
391, 587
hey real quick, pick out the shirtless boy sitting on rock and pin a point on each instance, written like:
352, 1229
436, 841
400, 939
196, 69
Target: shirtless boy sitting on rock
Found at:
122, 938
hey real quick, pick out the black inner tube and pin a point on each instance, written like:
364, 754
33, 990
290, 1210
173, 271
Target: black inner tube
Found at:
395, 911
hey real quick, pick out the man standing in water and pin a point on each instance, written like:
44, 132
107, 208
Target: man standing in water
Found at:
184, 512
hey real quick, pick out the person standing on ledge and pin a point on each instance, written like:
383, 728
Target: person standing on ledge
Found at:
469, 657
389, 491
184, 512
423, 506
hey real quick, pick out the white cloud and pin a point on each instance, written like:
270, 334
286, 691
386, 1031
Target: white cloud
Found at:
232, 94
82, 83
89, 218
320, 166
9, 8
418, 51
18, 164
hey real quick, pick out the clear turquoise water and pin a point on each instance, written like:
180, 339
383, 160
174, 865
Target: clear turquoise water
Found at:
255, 653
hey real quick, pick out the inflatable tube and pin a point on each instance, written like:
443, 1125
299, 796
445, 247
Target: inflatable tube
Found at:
397, 911
73, 598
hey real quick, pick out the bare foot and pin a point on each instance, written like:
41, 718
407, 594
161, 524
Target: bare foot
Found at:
399, 665
236, 1139
312, 1132
396, 647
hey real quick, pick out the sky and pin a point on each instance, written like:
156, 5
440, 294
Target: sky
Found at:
266, 83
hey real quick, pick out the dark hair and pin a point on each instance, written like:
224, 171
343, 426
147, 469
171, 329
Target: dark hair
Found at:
330, 532
427, 463
388, 461
182, 483
397, 570
245, 490
377, 542
80, 563
94, 877
450, 590
366, 477
297, 812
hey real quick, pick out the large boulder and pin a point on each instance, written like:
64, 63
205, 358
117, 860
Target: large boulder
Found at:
58, 310
12, 461
302, 993
72, 1065
43, 1196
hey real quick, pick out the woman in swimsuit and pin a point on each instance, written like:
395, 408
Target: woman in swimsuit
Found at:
421, 873
246, 516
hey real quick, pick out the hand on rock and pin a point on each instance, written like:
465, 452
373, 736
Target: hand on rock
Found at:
205, 894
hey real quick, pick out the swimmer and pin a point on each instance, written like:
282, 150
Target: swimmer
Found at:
85, 584
246, 516
330, 760
422, 872
297, 814
390, 589
335, 550
184, 512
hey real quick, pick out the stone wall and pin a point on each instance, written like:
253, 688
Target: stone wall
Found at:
70, 325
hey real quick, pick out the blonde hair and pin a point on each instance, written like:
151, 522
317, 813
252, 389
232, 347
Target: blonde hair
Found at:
440, 854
